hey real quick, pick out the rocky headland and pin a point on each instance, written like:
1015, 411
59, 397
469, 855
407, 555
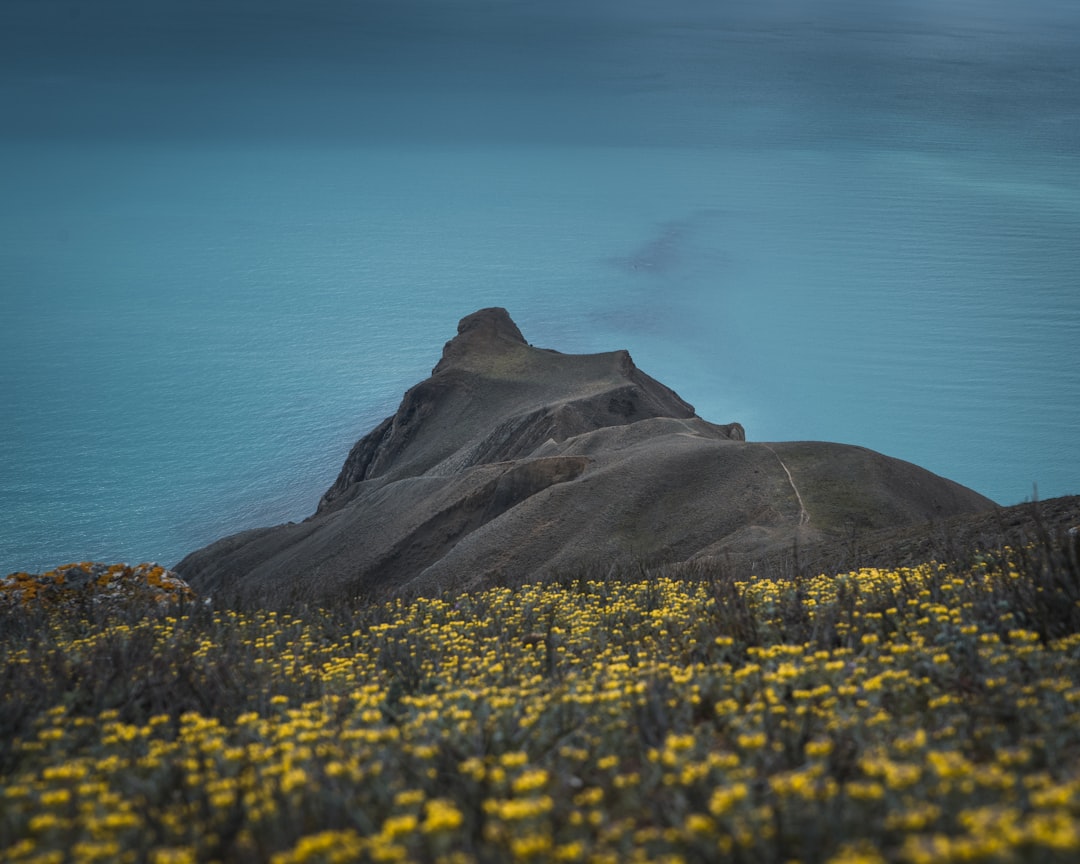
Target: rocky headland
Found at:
514, 462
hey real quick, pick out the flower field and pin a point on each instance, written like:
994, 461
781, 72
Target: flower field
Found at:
919, 715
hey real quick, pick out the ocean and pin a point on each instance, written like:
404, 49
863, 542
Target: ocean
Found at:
233, 233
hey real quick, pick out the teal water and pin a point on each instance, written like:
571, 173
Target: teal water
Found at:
234, 233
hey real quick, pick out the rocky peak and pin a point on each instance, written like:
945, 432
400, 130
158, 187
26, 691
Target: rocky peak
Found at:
483, 333
494, 397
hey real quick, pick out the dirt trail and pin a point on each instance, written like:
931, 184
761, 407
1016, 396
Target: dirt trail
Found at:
804, 515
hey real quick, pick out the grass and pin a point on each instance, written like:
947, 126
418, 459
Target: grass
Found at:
920, 714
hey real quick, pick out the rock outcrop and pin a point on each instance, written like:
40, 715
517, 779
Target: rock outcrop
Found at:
76, 586
516, 461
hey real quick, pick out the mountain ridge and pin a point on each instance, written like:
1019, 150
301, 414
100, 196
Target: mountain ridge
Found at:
512, 459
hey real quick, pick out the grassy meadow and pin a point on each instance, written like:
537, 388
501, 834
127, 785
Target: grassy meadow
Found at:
917, 715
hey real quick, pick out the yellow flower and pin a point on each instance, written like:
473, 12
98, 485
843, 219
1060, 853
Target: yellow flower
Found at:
699, 824
44, 821
1057, 830
530, 846
473, 767
530, 781
55, 797
818, 748
441, 815
513, 760
331, 847
754, 741
857, 853
173, 855
90, 851
399, 826
570, 851
408, 797
517, 809
589, 797
725, 798
917, 817
294, 778
863, 791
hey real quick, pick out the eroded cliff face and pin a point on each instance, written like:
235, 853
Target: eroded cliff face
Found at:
521, 461
493, 397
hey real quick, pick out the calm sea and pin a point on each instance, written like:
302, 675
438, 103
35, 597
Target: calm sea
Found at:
232, 233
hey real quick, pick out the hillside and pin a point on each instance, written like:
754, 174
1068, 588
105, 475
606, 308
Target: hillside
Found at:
513, 461
882, 716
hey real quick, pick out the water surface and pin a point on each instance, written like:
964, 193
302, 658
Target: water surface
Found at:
235, 232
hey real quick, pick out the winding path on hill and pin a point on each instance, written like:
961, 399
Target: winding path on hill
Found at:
804, 515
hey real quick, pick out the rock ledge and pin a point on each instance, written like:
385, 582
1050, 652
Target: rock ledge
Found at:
73, 585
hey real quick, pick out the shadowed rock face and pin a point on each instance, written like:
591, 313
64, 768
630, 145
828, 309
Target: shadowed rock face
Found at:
492, 398
520, 461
